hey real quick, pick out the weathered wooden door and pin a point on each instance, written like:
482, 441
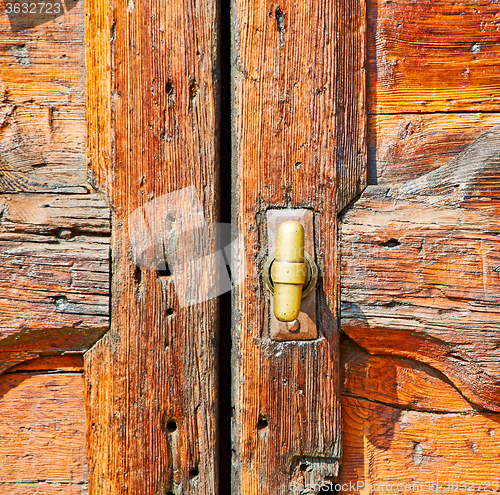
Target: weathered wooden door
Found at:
173, 113
166, 100
203, 124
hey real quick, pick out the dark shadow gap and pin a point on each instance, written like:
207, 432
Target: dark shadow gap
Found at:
224, 426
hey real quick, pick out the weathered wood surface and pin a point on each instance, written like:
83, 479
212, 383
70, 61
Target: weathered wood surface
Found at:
403, 147
98, 94
54, 251
41, 149
43, 488
153, 124
420, 268
54, 231
42, 113
430, 65
402, 423
398, 382
433, 56
68, 362
54, 283
42, 428
298, 127
43, 66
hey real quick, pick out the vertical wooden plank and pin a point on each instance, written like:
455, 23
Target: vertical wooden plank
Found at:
151, 382
100, 31
298, 127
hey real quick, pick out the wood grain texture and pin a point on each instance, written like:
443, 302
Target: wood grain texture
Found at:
99, 32
43, 66
55, 278
430, 56
390, 445
298, 127
43, 489
42, 433
54, 252
151, 381
403, 147
54, 231
398, 382
42, 149
420, 270
42, 112
405, 423
52, 364
42, 117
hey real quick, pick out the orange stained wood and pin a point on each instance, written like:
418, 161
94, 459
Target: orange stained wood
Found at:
299, 142
299, 108
404, 424
42, 432
433, 56
54, 229
420, 270
54, 250
405, 146
153, 126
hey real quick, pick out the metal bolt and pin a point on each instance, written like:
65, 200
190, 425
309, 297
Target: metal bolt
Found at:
293, 326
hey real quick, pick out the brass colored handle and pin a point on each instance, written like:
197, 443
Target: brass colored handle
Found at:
288, 271
290, 274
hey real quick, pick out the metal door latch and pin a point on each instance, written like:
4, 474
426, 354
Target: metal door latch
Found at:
291, 274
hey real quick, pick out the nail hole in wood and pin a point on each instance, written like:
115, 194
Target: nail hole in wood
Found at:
65, 234
262, 423
280, 24
138, 275
390, 243
280, 19
169, 88
171, 426
170, 311
193, 472
163, 270
193, 88
61, 302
